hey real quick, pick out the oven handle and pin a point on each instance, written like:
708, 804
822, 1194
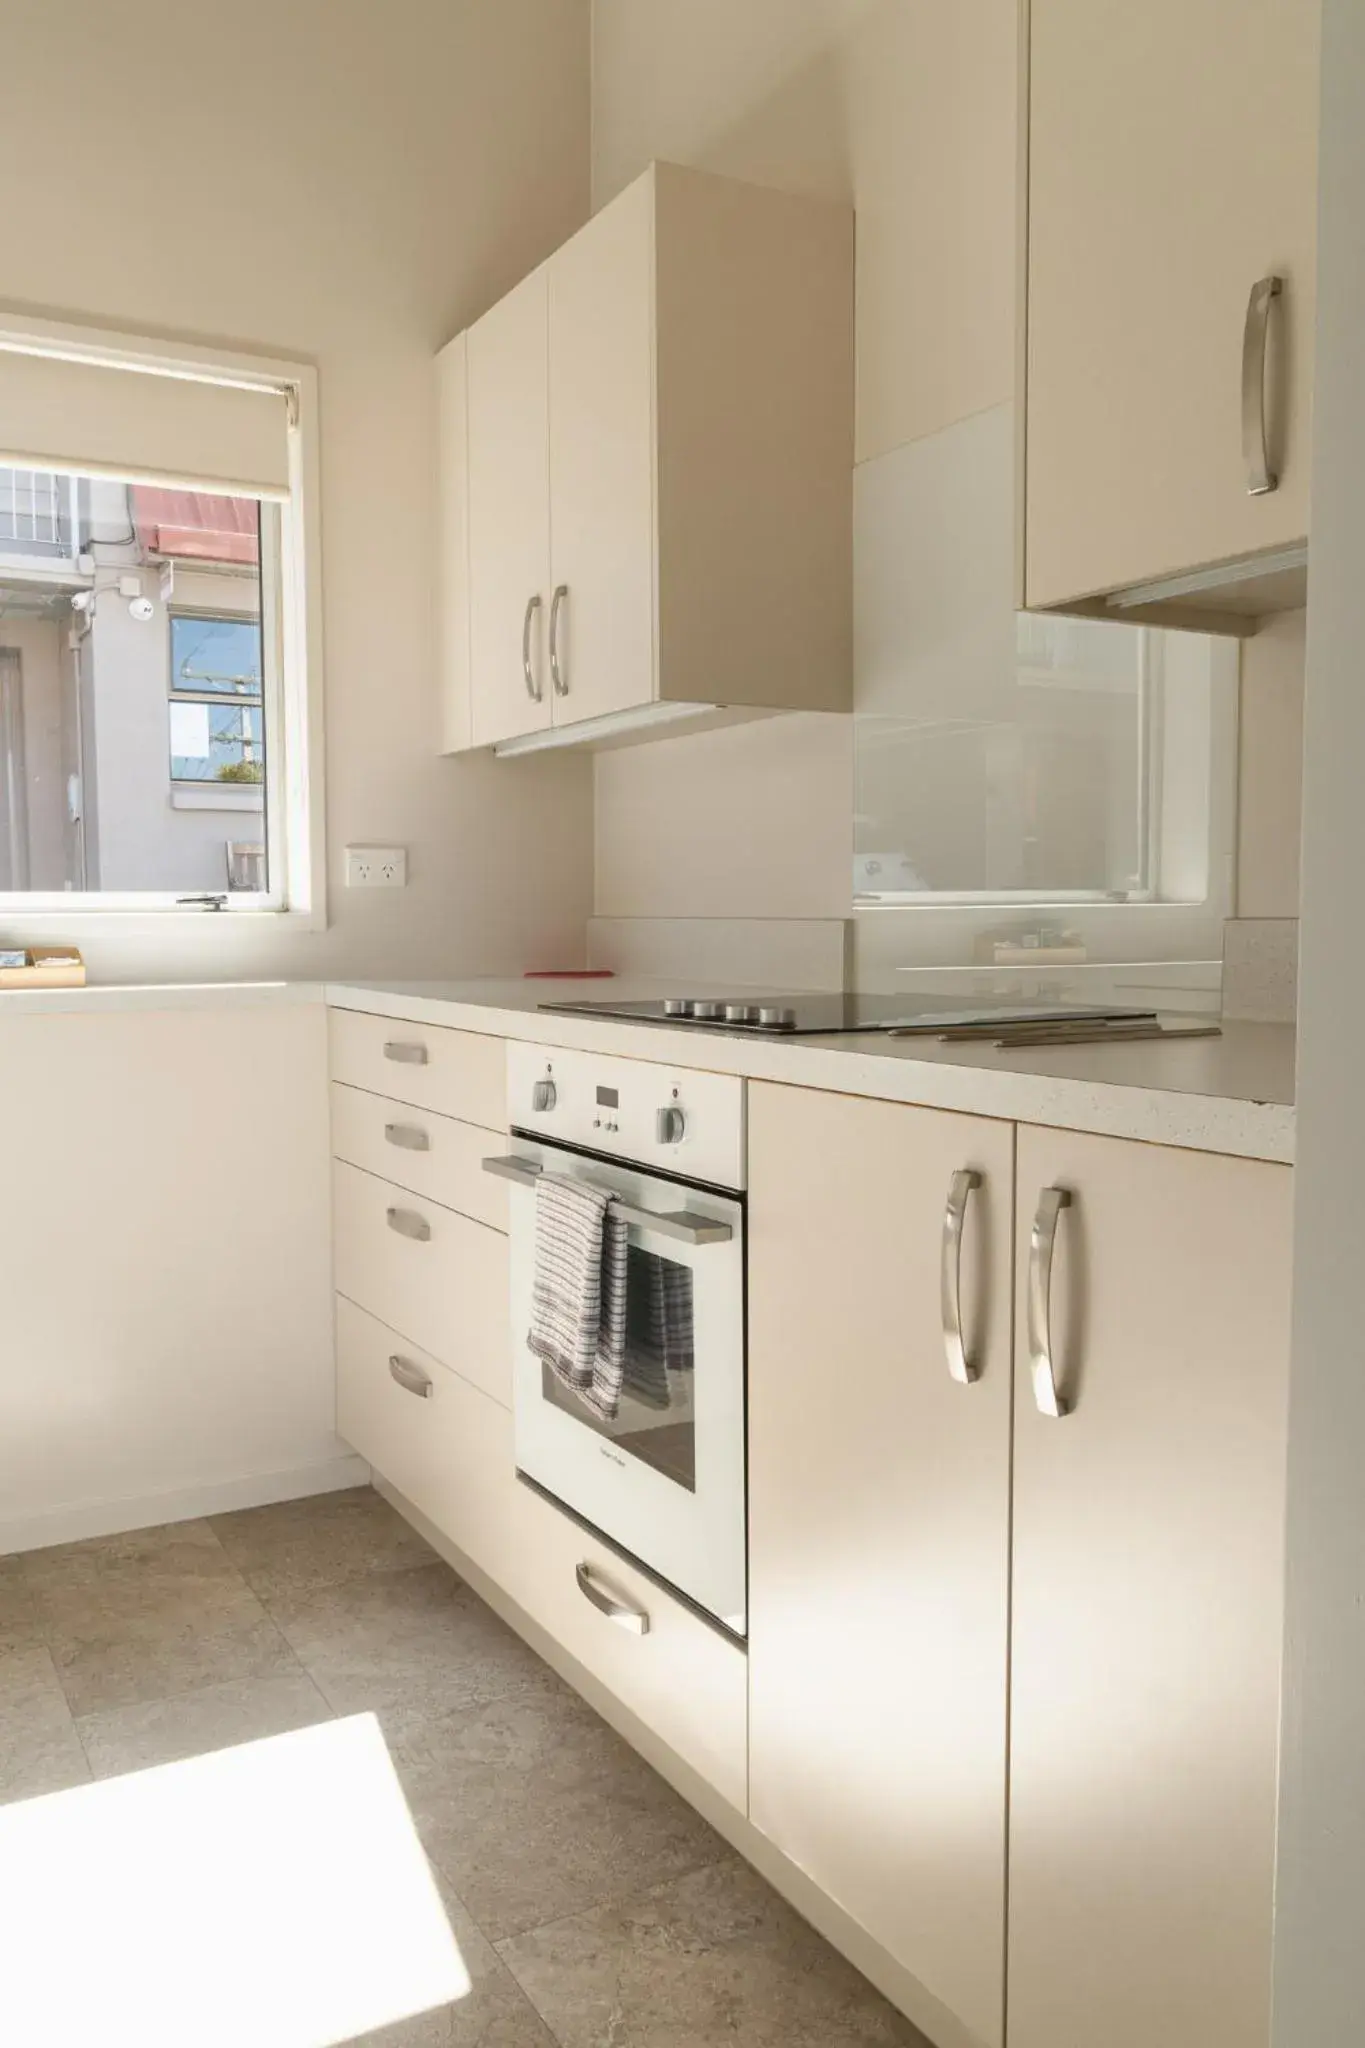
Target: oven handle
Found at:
684, 1224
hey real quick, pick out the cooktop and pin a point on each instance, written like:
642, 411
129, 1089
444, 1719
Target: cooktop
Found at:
817, 1015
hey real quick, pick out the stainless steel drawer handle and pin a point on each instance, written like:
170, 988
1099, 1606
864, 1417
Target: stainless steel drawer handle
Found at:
409, 1224
410, 1377
962, 1185
633, 1618
406, 1051
532, 686
688, 1226
556, 671
1042, 1247
408, 1137
1261, 478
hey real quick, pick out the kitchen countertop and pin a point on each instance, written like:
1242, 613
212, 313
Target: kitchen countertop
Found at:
1232, 1095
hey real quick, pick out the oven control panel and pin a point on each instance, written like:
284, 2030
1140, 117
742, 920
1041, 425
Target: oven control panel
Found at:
672, 1119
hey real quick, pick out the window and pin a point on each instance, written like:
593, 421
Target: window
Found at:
159, 739
1077, 771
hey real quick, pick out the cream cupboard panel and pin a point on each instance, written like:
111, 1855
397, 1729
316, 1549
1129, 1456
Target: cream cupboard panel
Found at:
879, 1526
601, 289
1148, 1559
684, 1680
1172, 164
441, 1442
438, 1278
509, 516
456, 1073
428, 1154
452, 543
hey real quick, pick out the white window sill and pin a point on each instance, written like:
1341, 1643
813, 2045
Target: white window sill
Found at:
218, 796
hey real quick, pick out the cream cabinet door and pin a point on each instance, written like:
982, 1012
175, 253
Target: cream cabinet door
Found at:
509, 516
1148, 1555
879, 1529
602, 461
1172, 164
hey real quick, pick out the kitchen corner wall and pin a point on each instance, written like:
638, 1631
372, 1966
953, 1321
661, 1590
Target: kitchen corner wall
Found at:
910, 112
351, 183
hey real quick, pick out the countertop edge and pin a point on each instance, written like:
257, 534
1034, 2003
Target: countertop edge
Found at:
107, 998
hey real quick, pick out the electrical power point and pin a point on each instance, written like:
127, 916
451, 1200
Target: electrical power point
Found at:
376, 867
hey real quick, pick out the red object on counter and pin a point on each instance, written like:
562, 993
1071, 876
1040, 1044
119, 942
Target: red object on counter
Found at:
569, 974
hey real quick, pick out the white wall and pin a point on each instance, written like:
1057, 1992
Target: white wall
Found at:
165, 1267
351, 183
910, 110
1320, 1896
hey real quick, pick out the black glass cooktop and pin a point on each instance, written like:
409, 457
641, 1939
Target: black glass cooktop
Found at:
816, 1015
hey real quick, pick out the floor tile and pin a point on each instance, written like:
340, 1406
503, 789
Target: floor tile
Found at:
40, 1750
18, 1615
495, 2014
298, 1545
419, 1641
534, 1808
712, 1959
144, 1616
193, 1723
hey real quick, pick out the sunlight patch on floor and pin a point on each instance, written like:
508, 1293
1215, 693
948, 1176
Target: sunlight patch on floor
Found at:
274, 1894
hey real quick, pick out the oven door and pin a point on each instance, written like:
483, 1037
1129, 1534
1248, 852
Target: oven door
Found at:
664, 1477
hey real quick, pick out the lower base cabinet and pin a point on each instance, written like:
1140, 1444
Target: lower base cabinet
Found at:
879, 1526
1148, 1559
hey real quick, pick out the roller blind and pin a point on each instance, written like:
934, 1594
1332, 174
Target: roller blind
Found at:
99, 419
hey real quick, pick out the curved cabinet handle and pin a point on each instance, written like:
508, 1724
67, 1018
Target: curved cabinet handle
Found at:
408, 1224
1255, 453
406, 1052
635, 1619
410, 1377
556, 672
962, 1185
1042, 1246
532, 686
409, 1137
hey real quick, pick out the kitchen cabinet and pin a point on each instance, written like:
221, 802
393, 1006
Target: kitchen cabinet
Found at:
1171, 166
879, 1525
1148, 1558
654, 478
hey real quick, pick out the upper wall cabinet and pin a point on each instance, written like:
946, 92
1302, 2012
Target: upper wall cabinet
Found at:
1172, 174
646, 474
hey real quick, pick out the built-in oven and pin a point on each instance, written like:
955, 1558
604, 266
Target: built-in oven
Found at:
659, 1471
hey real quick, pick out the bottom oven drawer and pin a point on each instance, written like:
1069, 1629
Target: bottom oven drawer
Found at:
673, 1671
442, 1443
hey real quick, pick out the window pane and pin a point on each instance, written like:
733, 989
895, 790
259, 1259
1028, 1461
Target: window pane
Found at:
216, 654
133, 695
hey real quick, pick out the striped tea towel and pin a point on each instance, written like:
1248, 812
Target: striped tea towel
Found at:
658, 1326
578, 1292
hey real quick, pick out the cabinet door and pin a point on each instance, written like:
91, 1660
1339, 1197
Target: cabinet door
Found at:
602, 460
509, 516
1172, 163
879, 1529
1148, 1538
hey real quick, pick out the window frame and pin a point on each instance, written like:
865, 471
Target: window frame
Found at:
291, 631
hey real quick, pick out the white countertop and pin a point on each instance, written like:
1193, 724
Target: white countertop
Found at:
1232, 1094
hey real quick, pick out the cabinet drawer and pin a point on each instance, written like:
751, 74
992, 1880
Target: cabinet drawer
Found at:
457, 1073
433, 1155
438, 1278
682, 1679
449, 1449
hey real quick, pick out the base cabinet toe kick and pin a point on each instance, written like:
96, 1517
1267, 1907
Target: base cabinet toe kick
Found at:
1007, 1689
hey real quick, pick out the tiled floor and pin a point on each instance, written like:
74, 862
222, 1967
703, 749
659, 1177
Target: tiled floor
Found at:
592, 1907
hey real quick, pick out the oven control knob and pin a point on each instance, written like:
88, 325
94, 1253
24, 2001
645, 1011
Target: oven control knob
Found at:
670, 1126
543, 1096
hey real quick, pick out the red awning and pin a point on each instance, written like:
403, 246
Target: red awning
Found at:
195, 526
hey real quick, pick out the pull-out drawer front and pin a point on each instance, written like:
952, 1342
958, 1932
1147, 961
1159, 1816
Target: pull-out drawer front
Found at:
442, 1443
432, 1155
456, 1073
436, 1277
681, 1678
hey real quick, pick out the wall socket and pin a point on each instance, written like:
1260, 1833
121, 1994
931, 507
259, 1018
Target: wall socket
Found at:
376, 867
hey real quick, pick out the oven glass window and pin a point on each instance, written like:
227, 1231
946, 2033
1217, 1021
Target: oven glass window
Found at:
655, 1415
